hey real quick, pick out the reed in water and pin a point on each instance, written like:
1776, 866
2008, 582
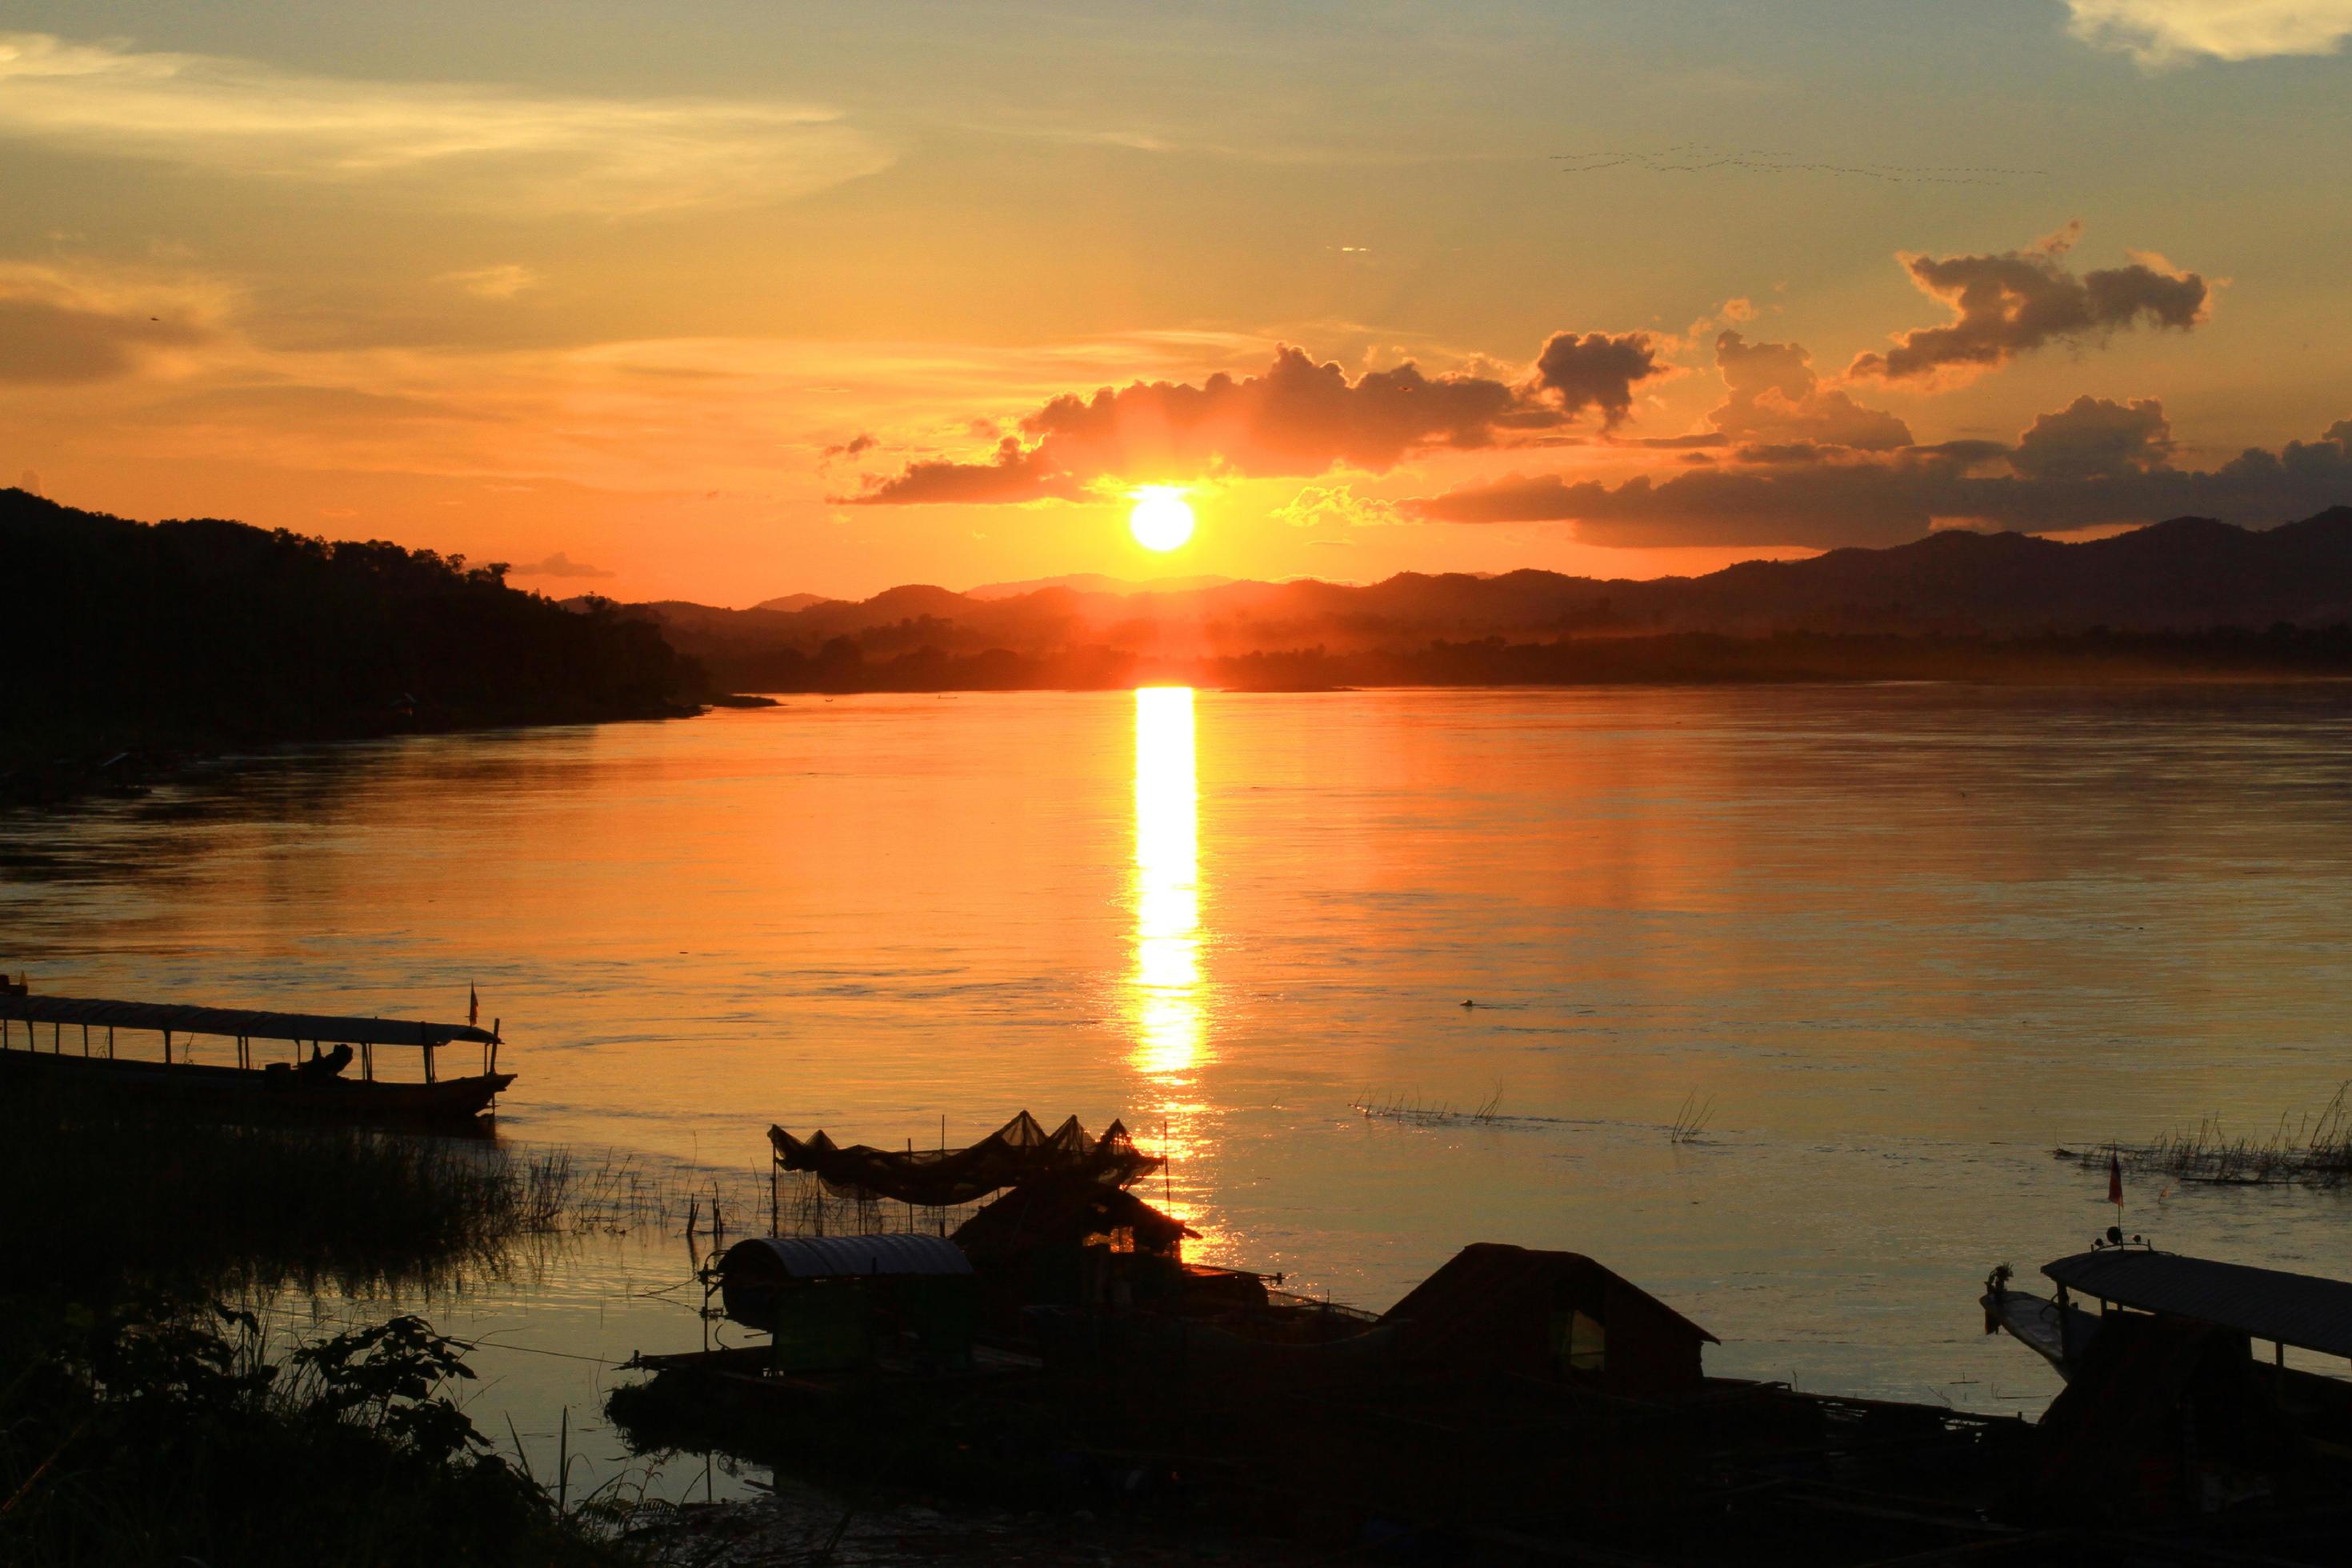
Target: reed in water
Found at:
2316, 1150
217, 1206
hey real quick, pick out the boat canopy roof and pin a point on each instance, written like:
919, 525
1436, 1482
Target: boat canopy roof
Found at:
2299, 1309
843, 1256
235, 1022
941, 1178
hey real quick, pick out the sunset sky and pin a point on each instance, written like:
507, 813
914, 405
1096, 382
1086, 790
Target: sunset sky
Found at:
726, 301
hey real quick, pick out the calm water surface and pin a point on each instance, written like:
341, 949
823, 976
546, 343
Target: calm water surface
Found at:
1901, 939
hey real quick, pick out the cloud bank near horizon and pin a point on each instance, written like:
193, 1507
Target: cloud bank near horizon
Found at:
2093, 462
1298, 417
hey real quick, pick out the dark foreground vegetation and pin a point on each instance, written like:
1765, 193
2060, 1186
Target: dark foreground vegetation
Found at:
158, 638
143, 1422
156, 1430
192, 1205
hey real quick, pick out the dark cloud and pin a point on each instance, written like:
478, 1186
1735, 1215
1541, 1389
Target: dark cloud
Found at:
1597, 371
861, 442
1015, 475
1816, 504
2008, 304
1774, 398
1297, 418
558, 565
47, 342
2092, 463
2092, 438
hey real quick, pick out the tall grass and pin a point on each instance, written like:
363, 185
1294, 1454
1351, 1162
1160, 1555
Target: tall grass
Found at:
1690, 1121
199, 1205
2316, 1150
1413, 1109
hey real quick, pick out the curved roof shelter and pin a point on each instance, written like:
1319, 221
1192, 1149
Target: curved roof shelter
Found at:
2299, 1309
842, 1258
235, 1023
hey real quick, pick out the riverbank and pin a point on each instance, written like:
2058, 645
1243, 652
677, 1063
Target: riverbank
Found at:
150, 645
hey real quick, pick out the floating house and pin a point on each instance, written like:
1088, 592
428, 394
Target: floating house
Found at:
841, 1303
1497, 1311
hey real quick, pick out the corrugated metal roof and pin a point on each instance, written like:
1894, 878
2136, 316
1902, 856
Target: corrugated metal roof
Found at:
840, 1256
2300, 1309
230, 1022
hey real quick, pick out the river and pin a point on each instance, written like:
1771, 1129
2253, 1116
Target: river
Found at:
1889, 944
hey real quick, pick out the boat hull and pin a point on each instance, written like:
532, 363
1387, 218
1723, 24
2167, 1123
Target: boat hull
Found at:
239, 1091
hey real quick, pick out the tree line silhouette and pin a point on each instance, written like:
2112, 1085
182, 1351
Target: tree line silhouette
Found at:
204, 633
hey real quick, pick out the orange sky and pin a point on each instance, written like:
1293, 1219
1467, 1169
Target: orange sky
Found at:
750, 299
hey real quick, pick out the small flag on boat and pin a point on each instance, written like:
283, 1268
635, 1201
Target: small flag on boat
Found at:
2115, 1179
474, 1013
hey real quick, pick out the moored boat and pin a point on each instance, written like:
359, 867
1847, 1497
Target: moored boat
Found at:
84, 1051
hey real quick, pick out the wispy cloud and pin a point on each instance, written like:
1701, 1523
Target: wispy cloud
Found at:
2160, 33
61, 330
507, 149
503, 282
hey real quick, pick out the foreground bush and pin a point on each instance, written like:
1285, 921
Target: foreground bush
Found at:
155, 1433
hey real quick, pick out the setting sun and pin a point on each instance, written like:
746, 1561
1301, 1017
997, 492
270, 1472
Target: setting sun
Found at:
1162, 519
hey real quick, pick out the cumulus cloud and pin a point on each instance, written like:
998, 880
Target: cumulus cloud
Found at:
2092, 438
558, 565
1298, 417
2160, 33
1597, 371
1774, 396
2093, 463
503, 149
2009, 304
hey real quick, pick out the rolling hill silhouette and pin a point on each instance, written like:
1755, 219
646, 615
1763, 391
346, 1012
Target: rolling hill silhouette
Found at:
2186, 578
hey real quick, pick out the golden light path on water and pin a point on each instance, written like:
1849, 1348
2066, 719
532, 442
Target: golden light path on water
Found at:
1164, 1002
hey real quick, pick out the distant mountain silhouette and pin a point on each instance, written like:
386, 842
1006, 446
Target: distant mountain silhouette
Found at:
791, 602
2188, 576
1083, 581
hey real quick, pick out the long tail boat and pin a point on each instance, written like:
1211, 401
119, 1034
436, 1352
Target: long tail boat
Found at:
336, 1079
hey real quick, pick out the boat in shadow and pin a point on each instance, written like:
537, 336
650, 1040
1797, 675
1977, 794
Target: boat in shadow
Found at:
268, 1076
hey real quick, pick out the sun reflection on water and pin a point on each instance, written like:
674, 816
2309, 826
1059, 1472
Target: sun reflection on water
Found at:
1165, 991
1166, 1003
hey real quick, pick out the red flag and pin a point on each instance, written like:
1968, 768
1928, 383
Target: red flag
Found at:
474, 1013
2115, 1179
